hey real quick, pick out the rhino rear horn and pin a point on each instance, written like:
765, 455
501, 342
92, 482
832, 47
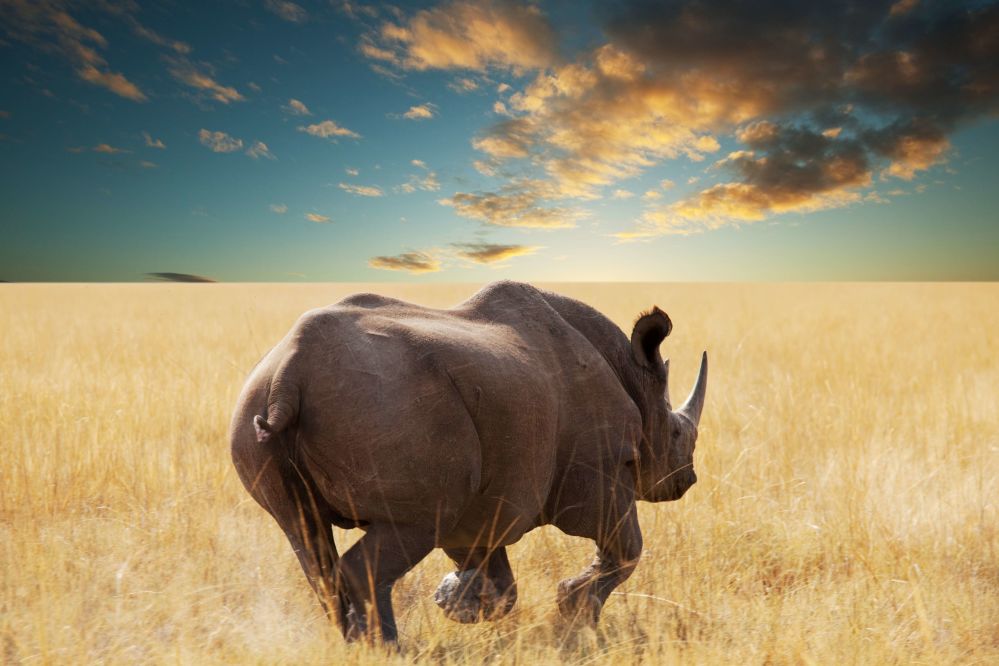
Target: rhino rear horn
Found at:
695, 401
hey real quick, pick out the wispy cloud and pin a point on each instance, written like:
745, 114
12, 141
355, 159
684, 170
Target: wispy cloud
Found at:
289, 11
222, 142
108, 149
50, 27
146, 164
520, 204
329, 129
153, 143
362, 190
219, 142
259, 149
469, 34
420, 112
415, 262
317, 218
279, 209
196, 77
296, 108
492, 253
463, 85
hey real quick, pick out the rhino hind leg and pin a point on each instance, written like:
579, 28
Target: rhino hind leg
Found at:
370, 568
483, 588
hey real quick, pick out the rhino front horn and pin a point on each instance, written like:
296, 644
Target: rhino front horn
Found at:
695, 401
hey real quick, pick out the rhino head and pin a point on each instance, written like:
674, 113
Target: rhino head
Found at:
665, 465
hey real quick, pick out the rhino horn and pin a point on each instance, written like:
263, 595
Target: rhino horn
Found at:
695, 401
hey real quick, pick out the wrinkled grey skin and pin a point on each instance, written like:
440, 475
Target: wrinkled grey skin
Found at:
461, 429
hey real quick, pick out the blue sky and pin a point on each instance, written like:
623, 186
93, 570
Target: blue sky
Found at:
478, 140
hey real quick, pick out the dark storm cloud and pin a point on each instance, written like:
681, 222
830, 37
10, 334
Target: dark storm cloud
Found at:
834, 92
177, 277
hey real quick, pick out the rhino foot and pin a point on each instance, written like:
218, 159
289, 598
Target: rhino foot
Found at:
577, 601
469, 596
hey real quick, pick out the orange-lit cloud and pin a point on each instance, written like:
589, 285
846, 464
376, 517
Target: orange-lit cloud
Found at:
49, 27
517, 205
219, 142
420, 112
329, 129
296, 108
317, 218
470, 34
108, 149
287, 10
193, 76
492, 253
414, 262
362, 190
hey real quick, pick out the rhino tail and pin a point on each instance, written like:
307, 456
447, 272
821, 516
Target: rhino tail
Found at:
282, 410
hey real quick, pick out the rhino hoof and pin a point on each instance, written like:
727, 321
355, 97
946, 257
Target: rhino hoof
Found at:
576, 601
468, 596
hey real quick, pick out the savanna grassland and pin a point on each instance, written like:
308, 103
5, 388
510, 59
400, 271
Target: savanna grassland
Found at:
846, 511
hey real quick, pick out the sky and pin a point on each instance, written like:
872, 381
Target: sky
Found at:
473, 140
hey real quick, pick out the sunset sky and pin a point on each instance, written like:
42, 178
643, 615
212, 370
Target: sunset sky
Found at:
268, 140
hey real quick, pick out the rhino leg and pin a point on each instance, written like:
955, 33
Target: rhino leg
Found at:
369, 570
618, 549
291, 498
483, 588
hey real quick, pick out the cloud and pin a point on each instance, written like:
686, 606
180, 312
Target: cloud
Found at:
49, 27
289, 11
113, 81
463, 85
153, 143
518, 204
888, 82
491, 253
470, 34
259, 149
787, 169
414, 262
296, 108
191, 75
177, 277
219, 142
146, 164
355, 10
279, 209
329, 129
108, 149
351, 171
317, 218
362, 190
622, 194
420, 112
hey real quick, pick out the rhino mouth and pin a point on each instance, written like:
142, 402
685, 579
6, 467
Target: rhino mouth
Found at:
674, 486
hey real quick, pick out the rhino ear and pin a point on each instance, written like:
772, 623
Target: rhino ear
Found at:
650, 330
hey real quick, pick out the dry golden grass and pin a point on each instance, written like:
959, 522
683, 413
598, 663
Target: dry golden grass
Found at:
846, 510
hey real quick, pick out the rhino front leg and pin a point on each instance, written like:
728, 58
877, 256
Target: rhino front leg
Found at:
483, 587
618, 550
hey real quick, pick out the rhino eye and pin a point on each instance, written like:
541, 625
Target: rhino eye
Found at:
676, 432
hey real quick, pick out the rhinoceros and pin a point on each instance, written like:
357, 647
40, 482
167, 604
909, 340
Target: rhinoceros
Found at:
462, 429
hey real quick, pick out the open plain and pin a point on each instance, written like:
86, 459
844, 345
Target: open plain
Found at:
847, 509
